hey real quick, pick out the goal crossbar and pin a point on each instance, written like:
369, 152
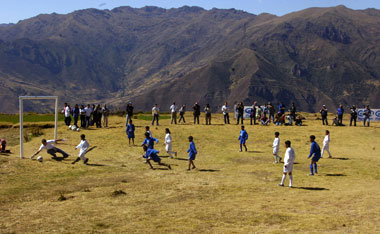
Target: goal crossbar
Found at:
21, 103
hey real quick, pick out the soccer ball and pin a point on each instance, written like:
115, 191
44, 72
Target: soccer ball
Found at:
70, 127
78, 129
40, 158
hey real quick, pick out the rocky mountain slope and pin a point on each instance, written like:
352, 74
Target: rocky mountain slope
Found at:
152, 55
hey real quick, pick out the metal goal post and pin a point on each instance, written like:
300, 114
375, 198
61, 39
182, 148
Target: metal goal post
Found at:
21, 102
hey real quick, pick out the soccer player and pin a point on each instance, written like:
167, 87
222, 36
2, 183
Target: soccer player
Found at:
276, 147
326, 144
168, 143
243, 137
288, 164
192, 153
51, 149
131, 132
149, 141
315, 153
151, 154
83, 146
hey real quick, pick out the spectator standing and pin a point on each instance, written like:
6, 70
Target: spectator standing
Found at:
82, 114
129, 111
182, 111
173, 110
354, 115
293, 111
340, 113
105, 114
155, 114
208, 114
367, 116
240, 111
324, 113
196, 112
76, 114
226, 115
252, 115
272, 112
67, 113
88, 111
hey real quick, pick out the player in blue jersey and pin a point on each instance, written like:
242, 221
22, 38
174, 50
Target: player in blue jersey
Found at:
149, 141
243, 138
131, 132
315, 155
151, 154
192, 153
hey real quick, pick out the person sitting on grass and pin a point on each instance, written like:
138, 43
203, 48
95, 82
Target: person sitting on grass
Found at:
288, 164
3, 145
149, 141
131, 132
51, 149
192, 153
243, 137
315, 155
83, 147
151, 154
264, 120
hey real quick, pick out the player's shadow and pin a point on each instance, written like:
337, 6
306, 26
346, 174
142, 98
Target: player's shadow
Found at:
58, 159
95, 165
340, 158
311, 188
337, 174
161, 168
253, 151
208, 170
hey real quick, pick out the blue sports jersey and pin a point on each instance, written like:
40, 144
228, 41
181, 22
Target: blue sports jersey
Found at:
151, 153
192, 150
315, 150
243, 136
150, 142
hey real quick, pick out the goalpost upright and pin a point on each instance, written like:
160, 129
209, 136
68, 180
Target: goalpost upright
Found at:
21, 99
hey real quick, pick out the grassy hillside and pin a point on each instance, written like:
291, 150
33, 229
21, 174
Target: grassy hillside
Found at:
229, 192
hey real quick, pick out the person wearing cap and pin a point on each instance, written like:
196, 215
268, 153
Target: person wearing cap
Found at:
354, 115
323, 112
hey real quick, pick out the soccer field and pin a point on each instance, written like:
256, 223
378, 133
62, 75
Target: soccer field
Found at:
230, 191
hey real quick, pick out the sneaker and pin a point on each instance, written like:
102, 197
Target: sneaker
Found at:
281, 185
193, 168
290, 186
85, 161
65, 156
169, 167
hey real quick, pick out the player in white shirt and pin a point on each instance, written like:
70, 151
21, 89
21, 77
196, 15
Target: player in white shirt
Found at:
288, 164
51, 149
276, 147
67, 112
168, 143
155, 114
226, 115
326, 144
83, 147
173, 110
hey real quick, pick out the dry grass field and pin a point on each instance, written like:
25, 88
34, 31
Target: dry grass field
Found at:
229, 192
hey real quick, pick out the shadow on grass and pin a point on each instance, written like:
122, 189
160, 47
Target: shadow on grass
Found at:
335, 174
340, 158
208, 170
160, 168
58, 159
95, 165
253, 151
311, 188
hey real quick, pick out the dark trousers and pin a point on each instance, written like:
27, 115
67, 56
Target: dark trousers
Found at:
366, 119
76, 121
67, 120
82, 121
56, 150
353, 119
181, 117
196, 118
271, 116
226, 118
340, 119
240, 117
324, 120
208, 119
254, 119
98, 121
88, 121
155, 118
3, 146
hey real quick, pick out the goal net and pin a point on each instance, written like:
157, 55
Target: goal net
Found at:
21, 103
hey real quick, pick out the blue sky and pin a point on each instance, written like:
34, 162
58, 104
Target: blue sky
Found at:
11, 11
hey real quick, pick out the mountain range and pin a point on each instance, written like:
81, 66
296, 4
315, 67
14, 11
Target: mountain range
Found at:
152, 55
